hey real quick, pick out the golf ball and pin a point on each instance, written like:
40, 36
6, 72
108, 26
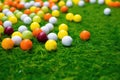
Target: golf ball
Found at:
34, 25
22, 28
54, 7
92, 1
7, 23
23, 16
77, 18
27, 20
27, 35
53, 20
69, 16
67, 41
52, 36
16, 40
63, 27
51, 45
45, 29
107, 11
50, 26
69, 4
100, 1
81, 3
62, 33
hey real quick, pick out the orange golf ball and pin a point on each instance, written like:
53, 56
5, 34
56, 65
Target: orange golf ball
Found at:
26, 44
7, 43
64, 9
47, 16
36, 32
85, 35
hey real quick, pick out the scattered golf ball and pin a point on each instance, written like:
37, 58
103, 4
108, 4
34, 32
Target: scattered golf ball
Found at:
16, 40
40, 14
7, 43
50, 26
46, 3
69, 4
34, 25
67, 41
77, 18
92, 1
26, 44
107, 11
63, 27
81, 3
27, 20
7, 23
17, 33
1, 29
13, 19
23, 16
27, 35
45, 29
8, 30
42, 37
51, 45
54, 7
69, 16
52, 36
22, 28
100, 1
36, 19
62, 33
53, 20
55, 13
45, 9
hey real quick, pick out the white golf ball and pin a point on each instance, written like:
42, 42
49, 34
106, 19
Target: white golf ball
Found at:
7, 23
100, 1
46, 3
67, 41
50, 26
92, 1
9, 13
27, 20
31, 3
16, 40
55, 7
5, 11
22, 28
27, 5
53, 20
81, 3
52, 36
45, 29
107, 11
23, 16
69, 3
37, 4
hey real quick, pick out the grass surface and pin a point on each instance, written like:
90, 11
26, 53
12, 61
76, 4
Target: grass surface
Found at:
95, 59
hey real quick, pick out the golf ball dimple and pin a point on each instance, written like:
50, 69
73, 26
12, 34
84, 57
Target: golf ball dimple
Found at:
107, 11
52, 36
67, 41
22, 28
16, 40
7, 23
53, 20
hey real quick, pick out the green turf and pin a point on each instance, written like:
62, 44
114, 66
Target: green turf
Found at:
95, 59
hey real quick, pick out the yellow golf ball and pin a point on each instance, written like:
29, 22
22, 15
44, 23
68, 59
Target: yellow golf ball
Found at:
63, 27
55, 13
61, 3
69, 16
13, 19
6, 7
16, 33
1, 29
51, 45
62, 33
32, 9
34, 25
77, 18
76, 1
1, 15
36, 19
